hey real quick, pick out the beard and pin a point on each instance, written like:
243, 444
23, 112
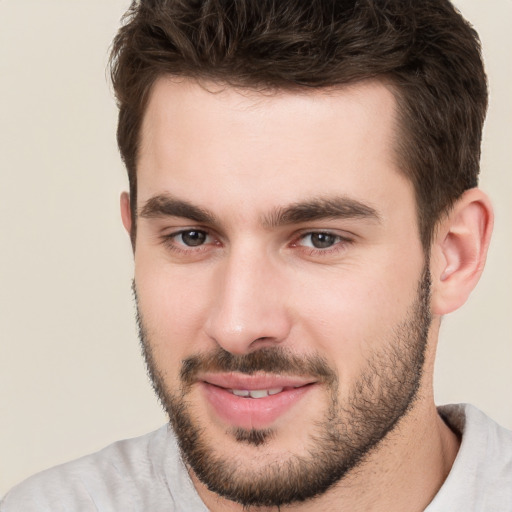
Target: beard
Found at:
339, 442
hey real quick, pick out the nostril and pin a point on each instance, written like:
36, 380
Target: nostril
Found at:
263, 342
263, 338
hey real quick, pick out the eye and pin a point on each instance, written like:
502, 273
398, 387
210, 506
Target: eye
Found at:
319, 240
192, 237
189, 244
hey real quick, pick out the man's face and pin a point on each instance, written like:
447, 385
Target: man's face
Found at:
282, 287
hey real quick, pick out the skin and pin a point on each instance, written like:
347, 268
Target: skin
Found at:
242, 156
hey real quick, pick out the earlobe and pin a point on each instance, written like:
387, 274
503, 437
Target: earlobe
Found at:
459, 251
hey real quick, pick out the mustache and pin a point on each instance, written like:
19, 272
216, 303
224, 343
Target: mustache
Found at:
276, 360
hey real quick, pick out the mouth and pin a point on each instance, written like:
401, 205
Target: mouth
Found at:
257, 393
253, 401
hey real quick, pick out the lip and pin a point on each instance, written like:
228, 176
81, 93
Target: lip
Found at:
253, 413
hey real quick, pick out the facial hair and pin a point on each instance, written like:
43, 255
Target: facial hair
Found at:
339, 442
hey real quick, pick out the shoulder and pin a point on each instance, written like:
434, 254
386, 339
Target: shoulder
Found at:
485, 444
481, 476
120, 474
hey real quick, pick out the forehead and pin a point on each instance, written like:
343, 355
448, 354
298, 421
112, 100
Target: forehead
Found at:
275, 146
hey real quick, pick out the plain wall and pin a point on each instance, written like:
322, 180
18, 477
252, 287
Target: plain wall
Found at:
71, 377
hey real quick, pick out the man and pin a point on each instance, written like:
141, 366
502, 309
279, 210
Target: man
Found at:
303, 211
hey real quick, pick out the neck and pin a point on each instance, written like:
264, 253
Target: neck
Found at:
418, 452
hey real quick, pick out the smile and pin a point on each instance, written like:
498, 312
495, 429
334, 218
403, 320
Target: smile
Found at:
257, 393
252, 402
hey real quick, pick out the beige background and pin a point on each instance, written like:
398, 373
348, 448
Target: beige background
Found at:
71, 378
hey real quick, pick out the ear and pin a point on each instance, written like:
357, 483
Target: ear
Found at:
459, 251
126, 215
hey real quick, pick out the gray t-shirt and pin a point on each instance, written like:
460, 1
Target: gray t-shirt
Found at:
146, 474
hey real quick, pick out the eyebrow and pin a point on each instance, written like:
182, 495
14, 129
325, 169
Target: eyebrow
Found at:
321, 208
165, 205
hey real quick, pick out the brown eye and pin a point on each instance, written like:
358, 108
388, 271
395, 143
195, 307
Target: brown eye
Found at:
193, 238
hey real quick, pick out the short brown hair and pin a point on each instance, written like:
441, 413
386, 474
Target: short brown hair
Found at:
424, 48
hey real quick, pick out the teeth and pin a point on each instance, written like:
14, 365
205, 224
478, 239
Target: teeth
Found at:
240, 392
256, 393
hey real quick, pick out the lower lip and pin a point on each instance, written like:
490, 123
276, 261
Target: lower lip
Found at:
252, 413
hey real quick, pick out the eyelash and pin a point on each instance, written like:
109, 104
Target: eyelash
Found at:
170, 242
339, 244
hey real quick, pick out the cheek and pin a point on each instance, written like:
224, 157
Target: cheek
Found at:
357, 313
173, 306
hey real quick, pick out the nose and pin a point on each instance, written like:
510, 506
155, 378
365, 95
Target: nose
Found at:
249, 309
